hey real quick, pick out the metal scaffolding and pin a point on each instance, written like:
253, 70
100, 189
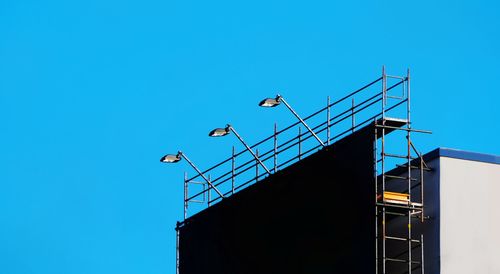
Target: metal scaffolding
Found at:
369, 105
399, 193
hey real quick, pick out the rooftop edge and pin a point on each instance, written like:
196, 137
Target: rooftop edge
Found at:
463, 155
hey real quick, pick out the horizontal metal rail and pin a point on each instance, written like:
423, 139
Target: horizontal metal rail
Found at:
401, 260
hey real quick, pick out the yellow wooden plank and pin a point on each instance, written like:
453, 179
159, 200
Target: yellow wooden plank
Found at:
395, 196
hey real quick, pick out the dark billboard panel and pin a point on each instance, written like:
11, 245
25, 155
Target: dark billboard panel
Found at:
315, 216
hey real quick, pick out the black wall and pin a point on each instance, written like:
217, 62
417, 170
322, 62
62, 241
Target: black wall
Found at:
316, 216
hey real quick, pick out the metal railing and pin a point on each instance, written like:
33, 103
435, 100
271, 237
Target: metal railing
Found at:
366, 104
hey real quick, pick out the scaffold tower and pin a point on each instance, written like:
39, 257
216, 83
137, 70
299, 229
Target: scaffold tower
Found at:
399, 206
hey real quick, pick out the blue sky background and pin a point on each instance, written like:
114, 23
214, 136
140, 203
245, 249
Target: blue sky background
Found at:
93, 93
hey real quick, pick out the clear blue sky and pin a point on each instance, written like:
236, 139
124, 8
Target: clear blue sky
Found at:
93, 93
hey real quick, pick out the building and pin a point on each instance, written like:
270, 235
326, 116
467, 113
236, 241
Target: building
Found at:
461, 201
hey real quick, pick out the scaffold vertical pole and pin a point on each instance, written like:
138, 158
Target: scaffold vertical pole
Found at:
186, 201
383, 207
328, 120
300, 143
422, 260
209, 200
353, 121
275, 152
256, 166
384, 91
384, 95
422, 214
408, 134
375, 171
232, 170
408, 98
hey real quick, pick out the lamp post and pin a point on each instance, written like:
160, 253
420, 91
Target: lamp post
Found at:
219, 132
174, 158
273, 102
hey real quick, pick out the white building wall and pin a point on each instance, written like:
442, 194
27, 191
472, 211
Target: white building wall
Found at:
469, 215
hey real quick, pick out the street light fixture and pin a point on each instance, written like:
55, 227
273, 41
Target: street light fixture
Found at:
174, 158
273, 102
270, 102
219, 132
171, 158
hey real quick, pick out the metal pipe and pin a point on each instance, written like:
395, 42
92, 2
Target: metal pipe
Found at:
248, 148
408, 97
408, 133
256, 166
331, 105
232, 171
275, 154
300, 144
334, 137
328, 120
242, 185
394, 76
295, 157
209, 200
376, 194
384, 91
353, 121
399, 156
422, 186
409, 240
406, 129
199, 172
383, 228
422, 260
185, 195
383, 189
281, 99
354, 92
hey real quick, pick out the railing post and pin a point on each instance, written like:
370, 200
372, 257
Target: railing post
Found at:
328, 120
384, 91
300, 143
422, 215
408, 105
208, 191
353, 120
256, 166
232, 171
185, 195
422, 265
275, 154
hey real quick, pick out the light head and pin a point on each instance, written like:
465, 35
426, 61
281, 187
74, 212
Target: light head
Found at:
171, 158
270, 102
219, 132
